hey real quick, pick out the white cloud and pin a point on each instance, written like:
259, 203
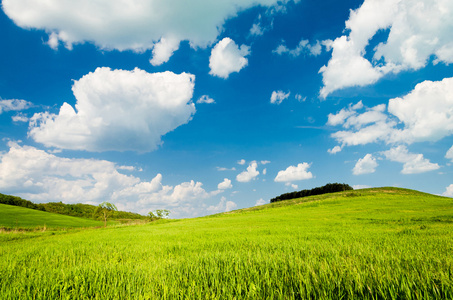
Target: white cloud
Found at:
42, 177
249, 174
225, 184
277, 97
118, 110
425, 114
222, 206
448, 191
299, 98
264, 171
449, 154
225, 169
20, 118
129, 25
14, 105
265, 162
205, 99
261, 202
241, 162
303, 47
227, 57
365, 165
413, 163
294, 173
256, 29
360, 186
418, 29
334, 150
163, 50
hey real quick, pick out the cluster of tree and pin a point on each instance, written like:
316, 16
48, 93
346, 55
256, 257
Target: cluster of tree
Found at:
328, 188
158, 214
75, 210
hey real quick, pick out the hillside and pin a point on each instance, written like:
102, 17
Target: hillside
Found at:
383, 243
75, 210
20, 217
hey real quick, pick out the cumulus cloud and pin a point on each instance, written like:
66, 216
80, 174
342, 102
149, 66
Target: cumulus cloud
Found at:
205, 99
118, 110
14, 105
19, 118
261, 202
241, 162
425, 114
277, 97
448, 191
225, 184
449, 154
304, 47
227, 57
334, 150
129, 25
249, 174
222, 206
365, 165
294, 173
418, 30
42, 177
413, 163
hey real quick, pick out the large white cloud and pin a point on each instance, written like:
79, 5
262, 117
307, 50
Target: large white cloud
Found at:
418, 30
294, 173
365, 165
413, 163
227, 57
134, 24
42, 177
425, 114
118, 110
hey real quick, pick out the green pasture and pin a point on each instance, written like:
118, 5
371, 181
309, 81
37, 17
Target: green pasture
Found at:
368, 244
16, 217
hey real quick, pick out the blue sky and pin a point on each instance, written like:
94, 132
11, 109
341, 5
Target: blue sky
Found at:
209, 107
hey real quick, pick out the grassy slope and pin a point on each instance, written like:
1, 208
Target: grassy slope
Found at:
377, 243
20, 217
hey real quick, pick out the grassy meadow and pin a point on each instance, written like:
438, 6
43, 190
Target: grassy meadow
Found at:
383, 243
16, 217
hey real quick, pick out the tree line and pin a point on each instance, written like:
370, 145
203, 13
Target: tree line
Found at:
75, 210
328, 188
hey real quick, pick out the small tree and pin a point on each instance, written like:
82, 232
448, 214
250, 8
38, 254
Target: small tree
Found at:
107, 209
158, 214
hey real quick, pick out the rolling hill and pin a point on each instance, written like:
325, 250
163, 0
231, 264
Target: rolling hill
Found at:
384, 243
21, 217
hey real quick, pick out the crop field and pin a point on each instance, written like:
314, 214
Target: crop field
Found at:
15, 217
383, 243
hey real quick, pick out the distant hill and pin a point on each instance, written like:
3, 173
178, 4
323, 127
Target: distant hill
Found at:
75, 210
21, 217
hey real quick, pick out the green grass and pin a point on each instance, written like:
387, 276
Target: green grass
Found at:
15, 217
370, 244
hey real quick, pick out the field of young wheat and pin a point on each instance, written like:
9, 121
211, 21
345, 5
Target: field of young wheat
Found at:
369, 244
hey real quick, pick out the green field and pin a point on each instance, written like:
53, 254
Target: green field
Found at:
369, 244
15, 217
